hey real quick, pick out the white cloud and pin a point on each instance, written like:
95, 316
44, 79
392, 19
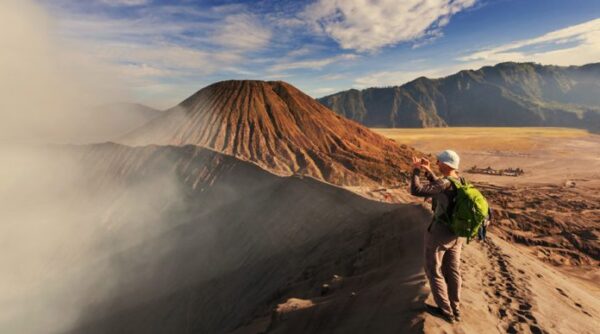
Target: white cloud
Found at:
312, 63
368, 25
164, 46
139, 65
575, 45
323, 90
288, 22
125, 2
242, 32
142, 71
302, 51
396, 78
99, 29
332, 77
277, 76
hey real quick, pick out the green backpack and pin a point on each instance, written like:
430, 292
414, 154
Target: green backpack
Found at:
468, 211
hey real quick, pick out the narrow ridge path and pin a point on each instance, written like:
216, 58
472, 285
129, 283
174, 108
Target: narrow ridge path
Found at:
508, 292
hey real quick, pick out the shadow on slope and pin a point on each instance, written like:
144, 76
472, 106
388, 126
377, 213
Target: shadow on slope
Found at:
240, 239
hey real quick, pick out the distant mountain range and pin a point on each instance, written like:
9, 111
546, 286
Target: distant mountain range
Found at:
507, 94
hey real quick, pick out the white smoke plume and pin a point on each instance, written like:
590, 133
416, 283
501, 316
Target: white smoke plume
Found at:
48, 88
55, 232
56, 235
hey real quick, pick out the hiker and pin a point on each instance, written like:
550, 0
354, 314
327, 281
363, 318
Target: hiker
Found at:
442, 246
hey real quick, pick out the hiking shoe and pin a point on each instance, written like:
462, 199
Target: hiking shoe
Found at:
448, 317
438, 312
457, 315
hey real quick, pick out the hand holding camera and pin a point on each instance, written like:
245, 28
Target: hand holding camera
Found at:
421, 163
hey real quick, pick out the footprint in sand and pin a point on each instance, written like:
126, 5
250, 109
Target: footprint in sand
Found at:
527, 315
525, 307
582, 309
562, 292
521, 318
535, 329
512, 299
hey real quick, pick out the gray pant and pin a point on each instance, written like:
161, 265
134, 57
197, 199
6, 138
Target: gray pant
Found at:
442, 266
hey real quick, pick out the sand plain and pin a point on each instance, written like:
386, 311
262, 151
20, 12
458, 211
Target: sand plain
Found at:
547, 155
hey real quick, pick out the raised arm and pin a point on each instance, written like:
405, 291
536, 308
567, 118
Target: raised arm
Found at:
429, 174
434, 187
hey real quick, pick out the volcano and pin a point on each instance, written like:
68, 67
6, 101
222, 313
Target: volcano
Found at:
281, 129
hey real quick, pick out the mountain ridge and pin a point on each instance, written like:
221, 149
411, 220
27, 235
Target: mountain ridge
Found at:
507, 94
269, 232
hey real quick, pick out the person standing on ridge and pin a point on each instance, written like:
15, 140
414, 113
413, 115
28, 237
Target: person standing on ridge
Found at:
442, 246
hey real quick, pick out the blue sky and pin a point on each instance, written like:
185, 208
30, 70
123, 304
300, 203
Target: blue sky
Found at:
163, 51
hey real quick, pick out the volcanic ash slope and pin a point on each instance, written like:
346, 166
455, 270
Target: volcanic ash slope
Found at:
232, 241
281, 129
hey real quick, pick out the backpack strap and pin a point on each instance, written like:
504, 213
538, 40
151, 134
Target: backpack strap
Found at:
461, 181
454, 184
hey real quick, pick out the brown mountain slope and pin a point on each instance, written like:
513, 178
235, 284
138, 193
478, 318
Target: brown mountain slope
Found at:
278, 127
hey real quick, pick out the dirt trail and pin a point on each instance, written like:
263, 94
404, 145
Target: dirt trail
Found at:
381, 290
509, 294
506, 290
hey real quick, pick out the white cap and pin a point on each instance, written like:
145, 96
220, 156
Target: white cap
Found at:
449, 158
